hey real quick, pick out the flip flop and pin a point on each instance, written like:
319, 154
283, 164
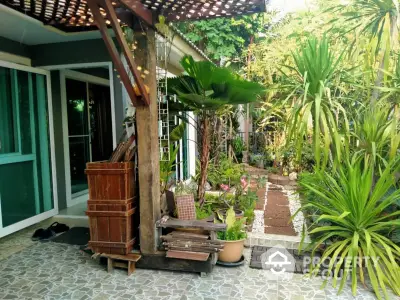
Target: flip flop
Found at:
42, 234
47, 234
37, 234
58, 227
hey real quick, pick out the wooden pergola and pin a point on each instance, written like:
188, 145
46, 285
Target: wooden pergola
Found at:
85, 15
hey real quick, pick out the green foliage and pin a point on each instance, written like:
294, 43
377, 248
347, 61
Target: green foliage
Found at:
225, 171
203, 212
167, 165
167, 168
375, 19
183, 188
223, 38
208, 87
256, 158
238, 145
376, 134
353, 204
204, 89
235, 228
315, 68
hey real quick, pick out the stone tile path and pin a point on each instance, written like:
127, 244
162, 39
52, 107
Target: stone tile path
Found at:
20, 240
55, 271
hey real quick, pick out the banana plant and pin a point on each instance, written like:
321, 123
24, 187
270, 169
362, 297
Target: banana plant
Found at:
204, 88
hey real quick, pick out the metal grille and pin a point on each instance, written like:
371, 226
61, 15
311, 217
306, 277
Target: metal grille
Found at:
163, 47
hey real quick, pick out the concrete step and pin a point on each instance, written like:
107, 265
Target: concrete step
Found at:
272, 240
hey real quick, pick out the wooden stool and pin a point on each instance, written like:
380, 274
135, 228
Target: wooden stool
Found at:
121, 261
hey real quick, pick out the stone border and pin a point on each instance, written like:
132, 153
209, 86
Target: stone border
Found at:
259, 222
257, 237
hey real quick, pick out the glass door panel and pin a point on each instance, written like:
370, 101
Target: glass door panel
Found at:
25, 174
8, 139
79, 155
78, 133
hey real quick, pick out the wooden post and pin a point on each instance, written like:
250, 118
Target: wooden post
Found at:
148, 154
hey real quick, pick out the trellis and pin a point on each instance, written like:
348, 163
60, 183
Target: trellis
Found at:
83, 15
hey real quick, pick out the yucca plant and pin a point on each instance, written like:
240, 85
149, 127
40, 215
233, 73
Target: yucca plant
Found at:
376, 134
313, 109
378, 21
356, 207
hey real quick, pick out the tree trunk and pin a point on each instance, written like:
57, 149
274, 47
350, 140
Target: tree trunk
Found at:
204, 160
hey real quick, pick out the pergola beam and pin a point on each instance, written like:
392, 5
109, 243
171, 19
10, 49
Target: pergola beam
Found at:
95, 6
140, 10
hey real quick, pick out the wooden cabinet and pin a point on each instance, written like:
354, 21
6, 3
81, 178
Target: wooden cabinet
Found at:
111, 207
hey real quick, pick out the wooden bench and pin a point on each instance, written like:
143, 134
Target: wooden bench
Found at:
121, 261
191, 246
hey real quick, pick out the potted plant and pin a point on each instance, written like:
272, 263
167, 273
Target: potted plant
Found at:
233, 237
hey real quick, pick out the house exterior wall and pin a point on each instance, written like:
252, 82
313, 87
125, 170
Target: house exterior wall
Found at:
62, 54
79, 52
9, 46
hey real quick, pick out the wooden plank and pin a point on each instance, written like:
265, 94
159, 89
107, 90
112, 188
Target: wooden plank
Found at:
119, 66
183, 234
110, 213
106, 172
111, 244
139, 10
148, 153
168, 222
129, 257
194, 249
161, 262
133, 68
193, 244
121, 202
188, 255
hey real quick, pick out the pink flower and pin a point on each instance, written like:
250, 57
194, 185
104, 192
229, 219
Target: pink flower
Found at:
224, 187
243, 182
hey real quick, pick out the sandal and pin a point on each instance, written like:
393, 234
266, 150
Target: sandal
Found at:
37, 234
42, 234
58, 227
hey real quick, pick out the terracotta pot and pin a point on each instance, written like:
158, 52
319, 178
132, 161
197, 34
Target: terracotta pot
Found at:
232, 251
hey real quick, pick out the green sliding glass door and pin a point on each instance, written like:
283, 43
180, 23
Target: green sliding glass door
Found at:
25, 174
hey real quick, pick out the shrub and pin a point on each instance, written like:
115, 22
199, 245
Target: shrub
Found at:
355, 206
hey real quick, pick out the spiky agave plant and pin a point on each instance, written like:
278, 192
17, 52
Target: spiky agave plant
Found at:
356, 238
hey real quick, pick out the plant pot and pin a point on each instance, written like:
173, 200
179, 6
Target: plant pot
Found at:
245, 157
238, 213
232, 252
260, 164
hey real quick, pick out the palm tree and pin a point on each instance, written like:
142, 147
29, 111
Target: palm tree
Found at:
204, 89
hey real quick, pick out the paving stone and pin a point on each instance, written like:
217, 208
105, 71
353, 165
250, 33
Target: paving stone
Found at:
223, 283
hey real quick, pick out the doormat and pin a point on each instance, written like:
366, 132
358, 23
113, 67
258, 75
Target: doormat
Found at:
75, 236
282, 259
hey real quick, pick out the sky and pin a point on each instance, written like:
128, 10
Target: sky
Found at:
288, 5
